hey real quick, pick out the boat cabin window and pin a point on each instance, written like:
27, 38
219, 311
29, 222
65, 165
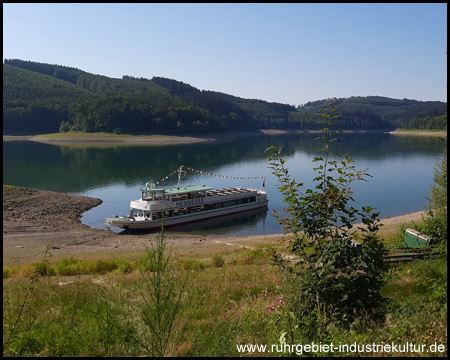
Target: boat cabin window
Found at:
136, 212
152, 195
157, 215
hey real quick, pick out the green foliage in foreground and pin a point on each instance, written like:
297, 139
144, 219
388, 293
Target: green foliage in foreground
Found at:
330, 281
438, 192
434, 224
225, 306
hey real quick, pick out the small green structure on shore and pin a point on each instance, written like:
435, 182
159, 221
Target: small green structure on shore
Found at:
414, 239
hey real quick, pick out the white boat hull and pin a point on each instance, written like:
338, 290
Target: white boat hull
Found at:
139, 223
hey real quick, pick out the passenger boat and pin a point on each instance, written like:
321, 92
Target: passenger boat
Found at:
181, 205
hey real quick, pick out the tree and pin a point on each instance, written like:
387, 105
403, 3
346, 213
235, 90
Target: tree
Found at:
65, 127
435, 223
438, 193
330, 280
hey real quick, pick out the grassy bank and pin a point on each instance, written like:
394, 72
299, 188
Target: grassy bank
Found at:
76, 307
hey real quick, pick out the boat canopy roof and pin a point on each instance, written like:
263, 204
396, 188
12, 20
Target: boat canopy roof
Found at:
180, 190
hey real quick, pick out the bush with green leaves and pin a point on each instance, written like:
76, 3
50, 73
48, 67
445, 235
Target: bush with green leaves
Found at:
435, 224
438, 192
331, 281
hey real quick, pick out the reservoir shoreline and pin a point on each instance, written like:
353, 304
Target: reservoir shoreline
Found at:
34, 220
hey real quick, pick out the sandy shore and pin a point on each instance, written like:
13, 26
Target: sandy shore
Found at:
421, 133
35, 220
104, 138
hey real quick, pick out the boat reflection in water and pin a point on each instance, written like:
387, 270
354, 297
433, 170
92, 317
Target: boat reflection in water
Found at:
226, 224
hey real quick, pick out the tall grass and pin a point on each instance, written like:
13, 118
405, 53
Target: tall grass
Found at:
76, 307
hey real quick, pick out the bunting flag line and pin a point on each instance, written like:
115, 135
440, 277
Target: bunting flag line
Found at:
224, 176
209, 174
166, 178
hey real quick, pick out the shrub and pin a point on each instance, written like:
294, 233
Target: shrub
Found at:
331, 281
218, 261
43, 268
7, 272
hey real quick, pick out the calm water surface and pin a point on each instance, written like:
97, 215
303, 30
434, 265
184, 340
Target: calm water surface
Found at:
402, 170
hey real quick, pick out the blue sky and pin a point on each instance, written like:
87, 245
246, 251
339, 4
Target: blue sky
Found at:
286, 53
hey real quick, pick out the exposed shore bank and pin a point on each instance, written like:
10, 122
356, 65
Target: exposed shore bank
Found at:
35, 220
104, 138
419, 133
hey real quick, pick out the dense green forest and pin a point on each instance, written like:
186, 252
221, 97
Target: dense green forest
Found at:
46, 98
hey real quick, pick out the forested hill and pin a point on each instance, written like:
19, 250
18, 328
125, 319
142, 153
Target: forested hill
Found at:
46, 98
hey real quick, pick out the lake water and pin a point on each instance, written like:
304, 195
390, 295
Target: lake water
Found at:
402, 169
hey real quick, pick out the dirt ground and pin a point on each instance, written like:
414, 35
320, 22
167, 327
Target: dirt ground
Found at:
37, 220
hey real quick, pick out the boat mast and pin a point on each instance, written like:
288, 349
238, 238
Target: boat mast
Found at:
180, 170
